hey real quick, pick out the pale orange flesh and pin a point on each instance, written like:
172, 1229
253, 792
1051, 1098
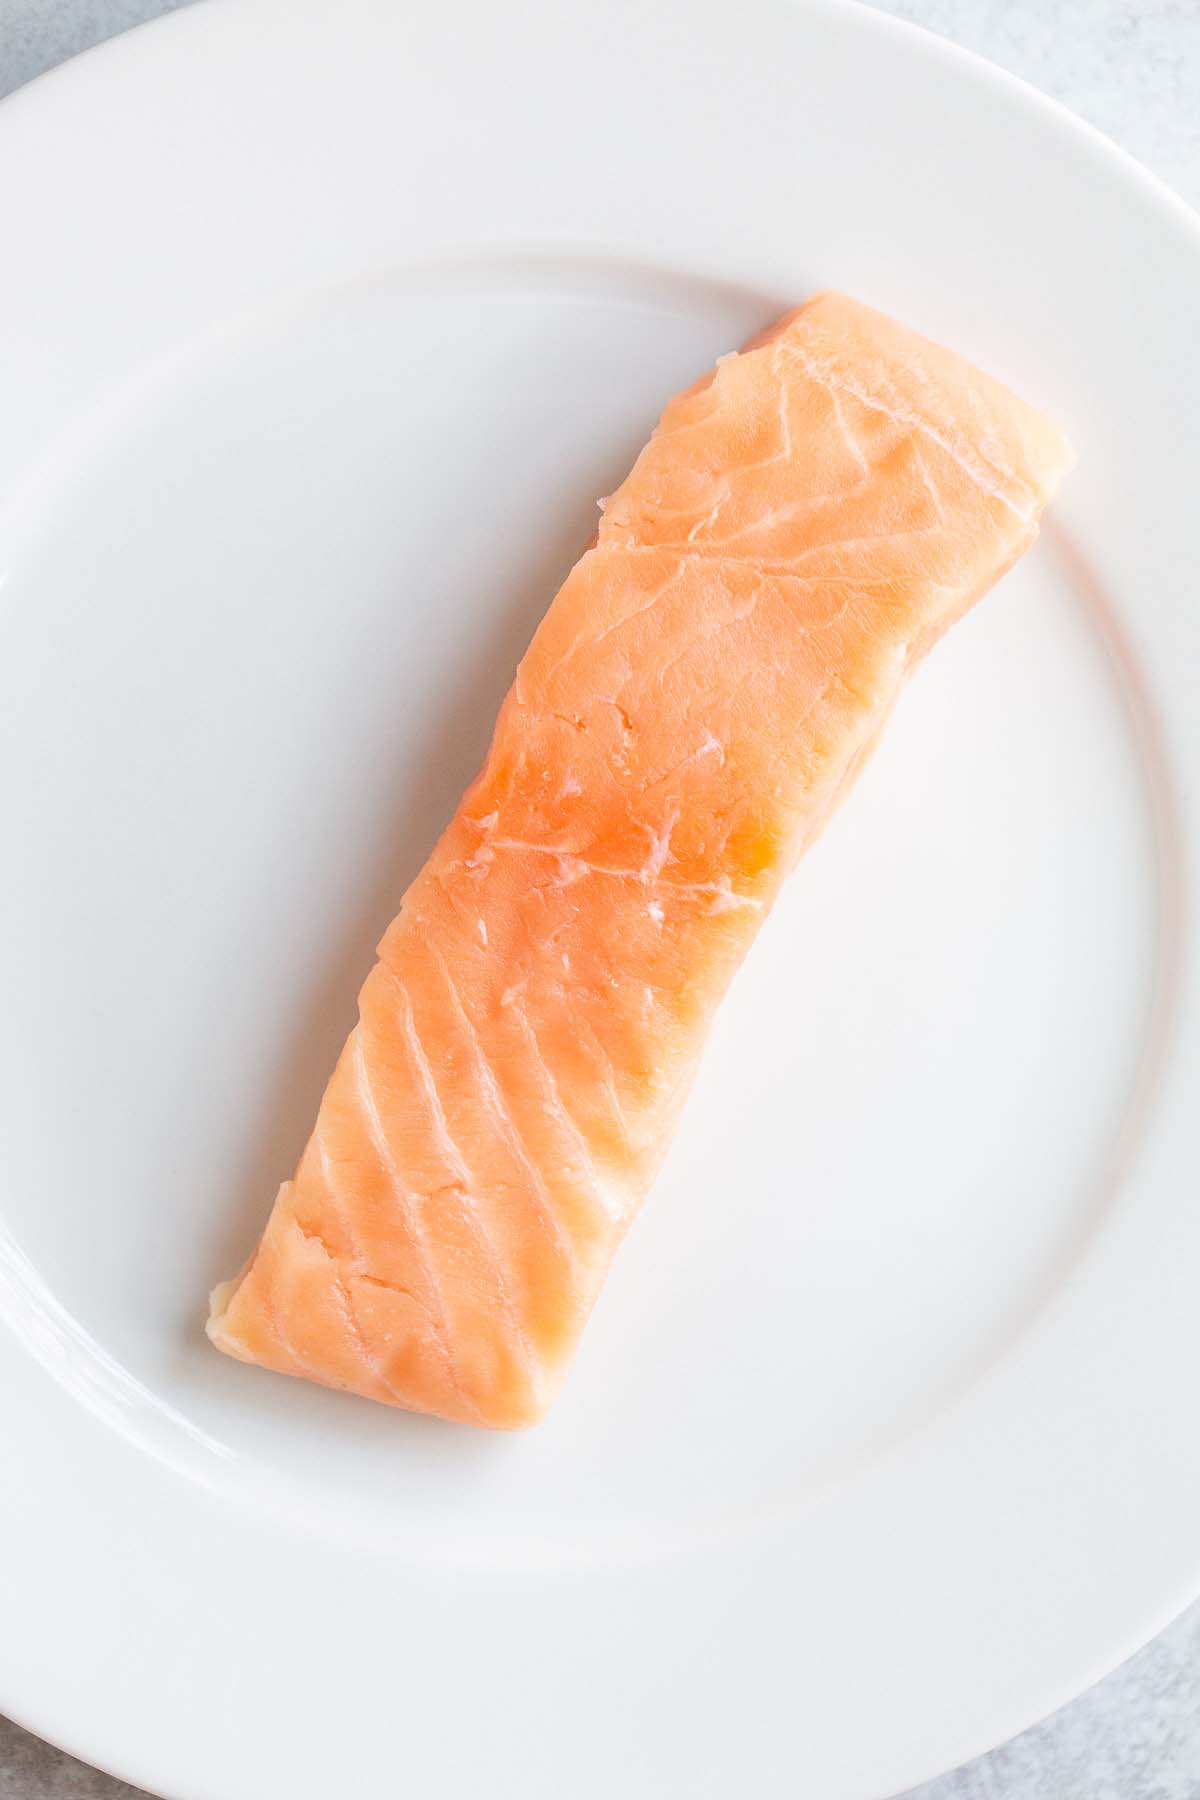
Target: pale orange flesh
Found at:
802, 526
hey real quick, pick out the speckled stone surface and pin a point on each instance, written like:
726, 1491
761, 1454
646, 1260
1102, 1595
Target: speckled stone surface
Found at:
1133, 70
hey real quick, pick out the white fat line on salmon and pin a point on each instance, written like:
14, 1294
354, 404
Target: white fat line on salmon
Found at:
711, 516
828, 547
852, 443
716, 554
464, 1184
416, 1231
334, 1193
573, 867
584, 642
590, 1176
660, 847
312, 1235
737, 615
711, 746
506, 1125
901, 414
927, 479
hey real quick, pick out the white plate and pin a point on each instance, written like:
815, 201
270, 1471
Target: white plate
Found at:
321, 329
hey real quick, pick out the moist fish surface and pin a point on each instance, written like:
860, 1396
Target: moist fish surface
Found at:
804, 523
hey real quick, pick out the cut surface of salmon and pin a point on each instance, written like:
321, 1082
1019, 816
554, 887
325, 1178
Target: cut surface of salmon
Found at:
804, 523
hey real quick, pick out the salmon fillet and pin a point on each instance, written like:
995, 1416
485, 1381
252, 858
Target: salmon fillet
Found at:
803, 524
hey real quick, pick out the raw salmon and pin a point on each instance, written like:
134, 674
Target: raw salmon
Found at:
803, 524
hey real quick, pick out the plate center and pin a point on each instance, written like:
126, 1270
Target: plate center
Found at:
257, 622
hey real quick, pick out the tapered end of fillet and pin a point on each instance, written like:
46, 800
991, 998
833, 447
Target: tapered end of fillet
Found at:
862, 352
215, 1327
298, 1309
498, 1411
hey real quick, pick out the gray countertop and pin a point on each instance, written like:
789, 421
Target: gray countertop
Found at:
1133, 70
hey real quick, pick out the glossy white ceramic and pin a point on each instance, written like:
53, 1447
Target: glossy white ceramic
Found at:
321, 330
